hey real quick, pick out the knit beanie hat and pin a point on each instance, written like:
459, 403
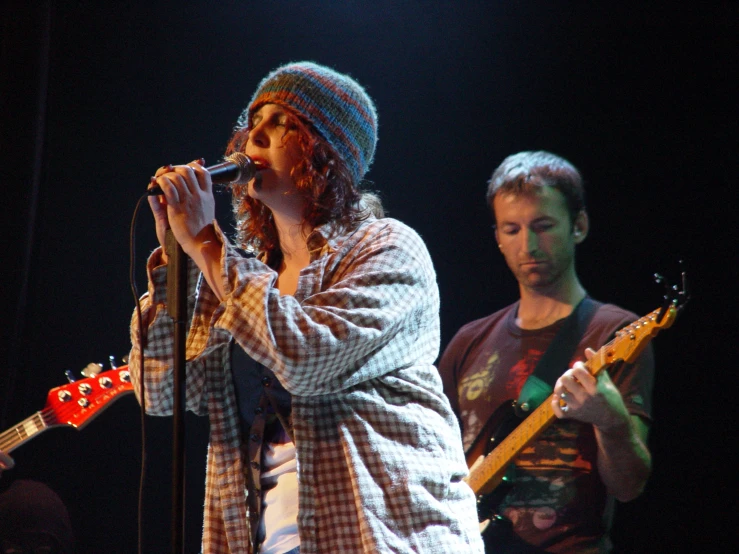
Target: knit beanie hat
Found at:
335, 104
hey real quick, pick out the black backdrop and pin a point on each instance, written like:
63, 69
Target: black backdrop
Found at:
96, 95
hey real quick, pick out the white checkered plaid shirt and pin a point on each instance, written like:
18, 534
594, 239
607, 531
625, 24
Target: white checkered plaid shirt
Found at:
380, 460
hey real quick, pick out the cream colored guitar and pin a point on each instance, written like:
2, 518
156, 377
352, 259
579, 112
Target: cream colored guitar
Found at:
484, 477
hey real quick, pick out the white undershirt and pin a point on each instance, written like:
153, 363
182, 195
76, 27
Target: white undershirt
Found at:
279, 482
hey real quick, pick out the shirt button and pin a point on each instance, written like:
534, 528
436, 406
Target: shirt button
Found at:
254, 437
258, 410
266, 381
255, 465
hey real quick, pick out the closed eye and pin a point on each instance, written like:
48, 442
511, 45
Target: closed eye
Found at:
542, 227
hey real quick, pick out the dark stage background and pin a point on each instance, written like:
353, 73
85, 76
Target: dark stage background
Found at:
96, 95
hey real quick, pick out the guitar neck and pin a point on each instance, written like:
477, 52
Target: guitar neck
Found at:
484, 477
22, 432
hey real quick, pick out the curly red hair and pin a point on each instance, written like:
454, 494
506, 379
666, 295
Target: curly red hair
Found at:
322, 178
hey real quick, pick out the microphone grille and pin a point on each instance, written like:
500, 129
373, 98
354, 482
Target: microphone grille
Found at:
247, 168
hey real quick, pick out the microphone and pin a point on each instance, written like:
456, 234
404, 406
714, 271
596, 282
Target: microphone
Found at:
236, 169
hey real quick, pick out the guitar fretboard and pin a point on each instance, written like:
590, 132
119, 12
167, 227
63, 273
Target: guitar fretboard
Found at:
26, 429
490, 472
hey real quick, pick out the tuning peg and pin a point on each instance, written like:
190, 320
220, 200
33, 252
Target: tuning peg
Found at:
684, 294
660, 280
92, 369
70, 376
113, 365
675, 297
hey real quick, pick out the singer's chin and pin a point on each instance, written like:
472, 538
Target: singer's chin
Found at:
250, 189
255, 185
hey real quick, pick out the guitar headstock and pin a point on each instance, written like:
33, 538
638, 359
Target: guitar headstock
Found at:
632, 339
77, 403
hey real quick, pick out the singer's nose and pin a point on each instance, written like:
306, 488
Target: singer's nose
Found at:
258, 135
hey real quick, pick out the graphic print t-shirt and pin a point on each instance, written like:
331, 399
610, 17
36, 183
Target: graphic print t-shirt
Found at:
557, 500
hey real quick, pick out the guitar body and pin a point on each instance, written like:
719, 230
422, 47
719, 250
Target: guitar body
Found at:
499, 425
504, 420
498, 535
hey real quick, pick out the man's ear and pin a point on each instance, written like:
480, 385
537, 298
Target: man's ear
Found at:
581, 227
495, 227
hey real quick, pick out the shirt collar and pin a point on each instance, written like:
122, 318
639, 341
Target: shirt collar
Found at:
324, 239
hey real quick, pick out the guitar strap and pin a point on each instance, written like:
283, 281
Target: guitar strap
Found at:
557, 356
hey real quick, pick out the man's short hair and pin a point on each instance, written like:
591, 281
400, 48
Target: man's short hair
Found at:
521, 173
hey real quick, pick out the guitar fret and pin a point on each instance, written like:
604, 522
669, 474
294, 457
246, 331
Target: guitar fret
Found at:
17, 435
30, 427
38, 423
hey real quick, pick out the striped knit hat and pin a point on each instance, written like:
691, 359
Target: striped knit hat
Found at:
336, 105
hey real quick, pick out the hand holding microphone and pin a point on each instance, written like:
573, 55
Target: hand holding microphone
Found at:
181, 197
236, 169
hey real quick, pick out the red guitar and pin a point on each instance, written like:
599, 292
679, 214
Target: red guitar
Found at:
75, 404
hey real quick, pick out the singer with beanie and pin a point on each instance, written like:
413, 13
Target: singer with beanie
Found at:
311, 340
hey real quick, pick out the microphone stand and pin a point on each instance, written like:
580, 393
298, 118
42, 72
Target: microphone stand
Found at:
177, 309
238, 167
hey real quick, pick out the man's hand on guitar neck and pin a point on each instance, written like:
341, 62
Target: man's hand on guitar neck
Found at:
583, 397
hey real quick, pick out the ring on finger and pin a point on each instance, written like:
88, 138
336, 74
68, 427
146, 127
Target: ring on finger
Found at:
564, 408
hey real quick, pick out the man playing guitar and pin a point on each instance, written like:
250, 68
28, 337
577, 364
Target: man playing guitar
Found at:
565, 481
